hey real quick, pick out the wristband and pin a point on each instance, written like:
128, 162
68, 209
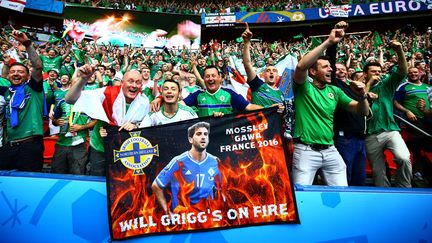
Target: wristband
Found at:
27, 43
364, 96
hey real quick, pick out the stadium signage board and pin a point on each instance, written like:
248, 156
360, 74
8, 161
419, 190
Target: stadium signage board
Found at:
219, 20
347, 11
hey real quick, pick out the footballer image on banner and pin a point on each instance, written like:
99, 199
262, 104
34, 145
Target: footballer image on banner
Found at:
199, 174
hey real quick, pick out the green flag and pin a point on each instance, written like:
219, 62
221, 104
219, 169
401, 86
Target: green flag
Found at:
7, 30
298, 36
377, 39
414, 47
239, 40
315, 42
273, 46
54, 39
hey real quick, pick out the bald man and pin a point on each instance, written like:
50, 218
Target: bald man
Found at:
123, 106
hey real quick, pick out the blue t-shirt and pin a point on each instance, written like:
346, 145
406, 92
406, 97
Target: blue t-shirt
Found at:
203, 174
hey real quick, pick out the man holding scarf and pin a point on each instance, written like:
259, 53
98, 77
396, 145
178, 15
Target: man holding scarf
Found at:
124, 106
25, 107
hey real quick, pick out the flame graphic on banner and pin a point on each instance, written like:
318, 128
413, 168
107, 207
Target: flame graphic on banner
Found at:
252, 192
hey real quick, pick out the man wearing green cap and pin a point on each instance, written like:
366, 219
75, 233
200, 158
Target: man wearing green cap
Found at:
50, 84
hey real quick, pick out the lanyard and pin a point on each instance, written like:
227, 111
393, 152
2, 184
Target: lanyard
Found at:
72, 117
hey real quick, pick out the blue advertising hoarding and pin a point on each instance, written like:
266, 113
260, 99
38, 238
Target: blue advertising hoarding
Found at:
349, 11
36, 207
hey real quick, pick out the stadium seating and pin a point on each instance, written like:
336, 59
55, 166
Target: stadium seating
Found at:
49, 148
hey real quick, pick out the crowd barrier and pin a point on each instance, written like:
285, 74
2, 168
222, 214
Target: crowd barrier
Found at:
43, 207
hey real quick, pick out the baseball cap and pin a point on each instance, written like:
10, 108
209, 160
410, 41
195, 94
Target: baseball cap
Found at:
55, 70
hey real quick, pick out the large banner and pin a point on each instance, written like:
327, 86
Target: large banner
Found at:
199, 174
348, 10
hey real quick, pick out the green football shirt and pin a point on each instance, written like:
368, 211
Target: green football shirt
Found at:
314, 111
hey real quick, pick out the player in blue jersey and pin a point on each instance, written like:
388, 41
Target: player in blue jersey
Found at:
196, 165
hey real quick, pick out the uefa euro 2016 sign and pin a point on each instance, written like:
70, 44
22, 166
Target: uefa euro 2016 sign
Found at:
348, 10
199, 174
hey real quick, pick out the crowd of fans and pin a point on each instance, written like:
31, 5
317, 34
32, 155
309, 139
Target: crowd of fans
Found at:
225, 6
65, 61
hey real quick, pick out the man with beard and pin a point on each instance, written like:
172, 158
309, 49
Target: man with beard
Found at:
122, 106
315, 104
24, 111
264, 93
196, 165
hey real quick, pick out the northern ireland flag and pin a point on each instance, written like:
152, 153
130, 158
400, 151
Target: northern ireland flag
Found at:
17, 5
109, 104
339, 11
286, 69
238, 82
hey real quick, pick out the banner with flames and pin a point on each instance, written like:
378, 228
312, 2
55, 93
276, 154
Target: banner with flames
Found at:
199, 174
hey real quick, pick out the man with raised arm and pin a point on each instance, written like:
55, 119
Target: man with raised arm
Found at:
124, 106
24, 111
216, 100
264, 93
383, 131
315, 104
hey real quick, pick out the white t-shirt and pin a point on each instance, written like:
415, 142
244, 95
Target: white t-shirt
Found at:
158, 118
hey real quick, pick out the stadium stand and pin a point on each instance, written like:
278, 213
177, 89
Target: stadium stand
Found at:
362, 45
